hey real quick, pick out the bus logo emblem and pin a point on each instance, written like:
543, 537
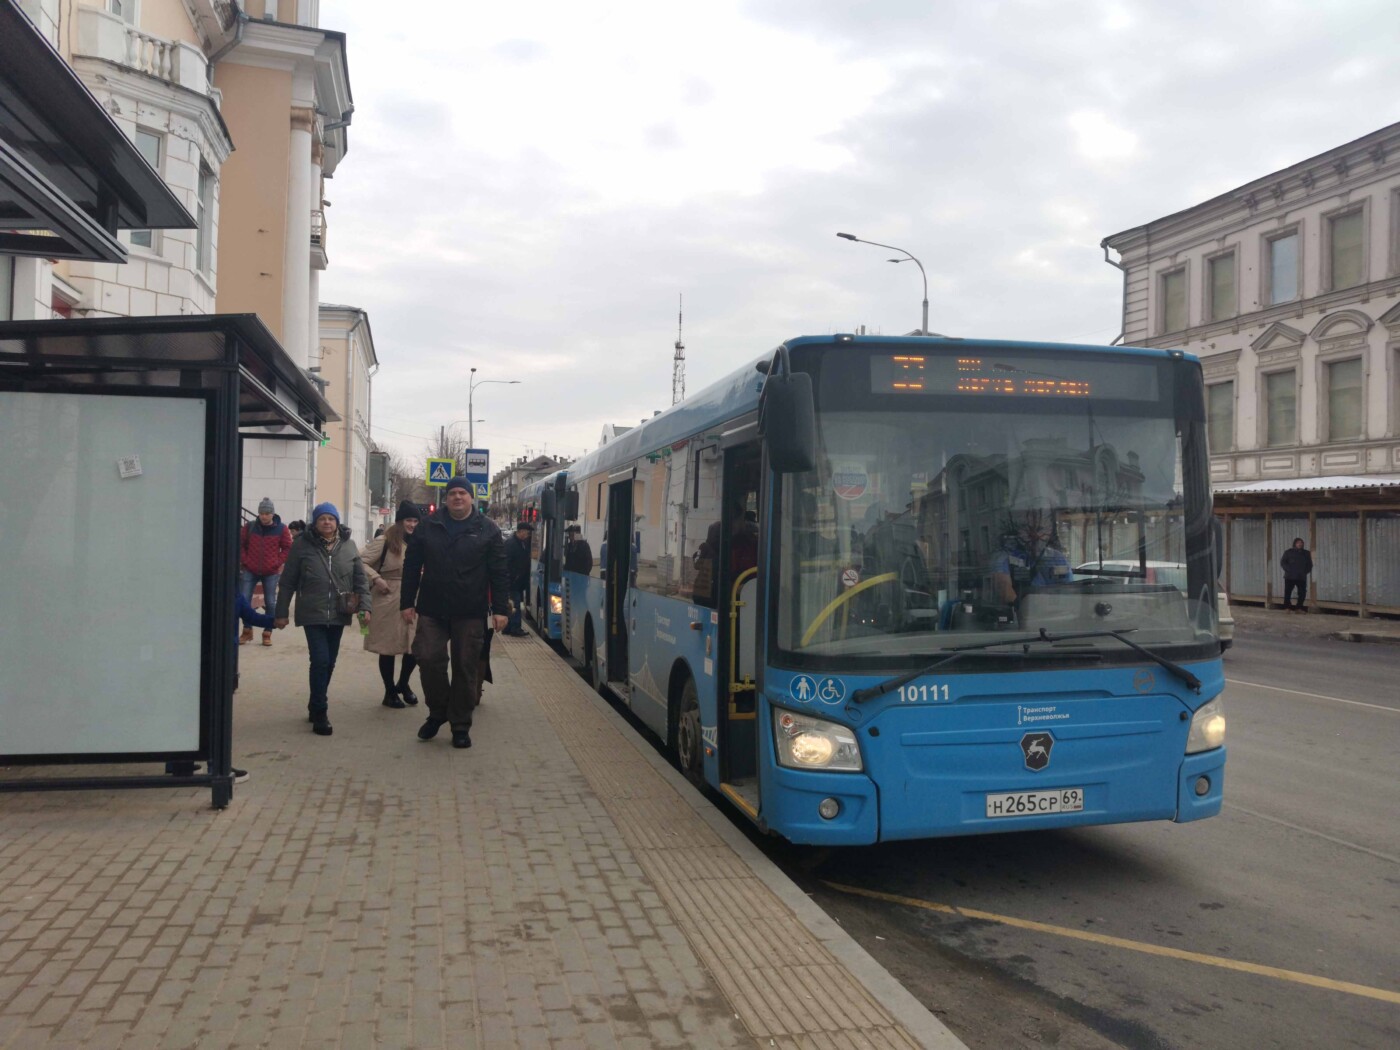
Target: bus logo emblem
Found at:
1036, 747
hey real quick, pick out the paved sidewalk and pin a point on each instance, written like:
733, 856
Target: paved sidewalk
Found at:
1315, 624
555, 885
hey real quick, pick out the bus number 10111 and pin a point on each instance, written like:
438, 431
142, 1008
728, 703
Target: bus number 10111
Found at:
923, 694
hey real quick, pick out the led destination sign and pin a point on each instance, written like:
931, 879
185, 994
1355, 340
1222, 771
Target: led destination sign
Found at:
1012, 375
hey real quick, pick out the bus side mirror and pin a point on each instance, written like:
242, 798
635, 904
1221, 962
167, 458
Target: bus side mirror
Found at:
787, 423
571, 505
547, 503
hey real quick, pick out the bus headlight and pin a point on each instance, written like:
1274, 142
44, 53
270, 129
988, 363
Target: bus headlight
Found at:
1207, 728
556, 603
805, 742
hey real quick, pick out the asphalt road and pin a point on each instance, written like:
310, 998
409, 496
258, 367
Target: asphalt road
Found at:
1276, 924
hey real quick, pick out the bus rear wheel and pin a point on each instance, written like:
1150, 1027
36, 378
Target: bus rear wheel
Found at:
690, 747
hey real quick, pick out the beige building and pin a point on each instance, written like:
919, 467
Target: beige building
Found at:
242, 109
1288, 289
344, 363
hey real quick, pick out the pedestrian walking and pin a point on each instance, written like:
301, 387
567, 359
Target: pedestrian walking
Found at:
1297, 565
263, 545
454, 573
518, 572
389, 635
326, 575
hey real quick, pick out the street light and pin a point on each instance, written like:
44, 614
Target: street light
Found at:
472, 384
923, 330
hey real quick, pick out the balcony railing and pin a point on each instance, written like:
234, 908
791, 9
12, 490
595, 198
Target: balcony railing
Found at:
319, 259
106, 36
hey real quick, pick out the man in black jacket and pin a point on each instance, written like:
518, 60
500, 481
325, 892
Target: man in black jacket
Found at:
454, 571
1297, 566
518, 569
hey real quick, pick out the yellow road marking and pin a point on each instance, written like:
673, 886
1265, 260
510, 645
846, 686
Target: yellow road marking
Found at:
1136, 946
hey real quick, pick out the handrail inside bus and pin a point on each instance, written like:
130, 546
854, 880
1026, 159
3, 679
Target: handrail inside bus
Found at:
735, 686
842, 599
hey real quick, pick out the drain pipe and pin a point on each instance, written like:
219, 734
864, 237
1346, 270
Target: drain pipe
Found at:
1104, 245
241, 19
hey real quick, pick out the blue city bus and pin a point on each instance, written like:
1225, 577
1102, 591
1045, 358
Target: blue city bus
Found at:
875, 588
540, 505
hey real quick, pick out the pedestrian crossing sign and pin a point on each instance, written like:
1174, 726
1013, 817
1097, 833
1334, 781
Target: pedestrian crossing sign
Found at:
440, 471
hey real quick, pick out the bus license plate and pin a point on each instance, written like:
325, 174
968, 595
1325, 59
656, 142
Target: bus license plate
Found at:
1035, 803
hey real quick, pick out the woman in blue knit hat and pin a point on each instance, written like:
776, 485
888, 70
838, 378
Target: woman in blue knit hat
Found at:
325, 573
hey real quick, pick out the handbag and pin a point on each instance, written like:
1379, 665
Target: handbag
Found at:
347, 603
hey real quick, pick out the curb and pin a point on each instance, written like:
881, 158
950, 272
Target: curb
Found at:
1366, 636
916, 1018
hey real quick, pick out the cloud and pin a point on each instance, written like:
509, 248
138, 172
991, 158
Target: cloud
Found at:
528, 191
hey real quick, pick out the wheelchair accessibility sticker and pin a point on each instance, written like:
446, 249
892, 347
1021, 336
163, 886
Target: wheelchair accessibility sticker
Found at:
805, 689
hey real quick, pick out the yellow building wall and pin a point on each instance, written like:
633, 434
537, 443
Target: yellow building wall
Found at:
253, 191
330, 463
168, 19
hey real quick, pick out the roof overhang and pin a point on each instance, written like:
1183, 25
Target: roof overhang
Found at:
276, 398
69, 177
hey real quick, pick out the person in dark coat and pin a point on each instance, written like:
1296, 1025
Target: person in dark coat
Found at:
324, 565
518, 571
1297, 565
453, 573
578, 555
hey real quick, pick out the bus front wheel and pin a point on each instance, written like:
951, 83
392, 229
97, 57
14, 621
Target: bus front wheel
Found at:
690, 748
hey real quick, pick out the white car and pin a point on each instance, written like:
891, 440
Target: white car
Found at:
1169, 572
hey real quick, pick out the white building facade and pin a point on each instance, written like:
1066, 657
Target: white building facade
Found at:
1288, 289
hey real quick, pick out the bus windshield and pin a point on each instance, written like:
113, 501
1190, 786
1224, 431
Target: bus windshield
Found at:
1024, 495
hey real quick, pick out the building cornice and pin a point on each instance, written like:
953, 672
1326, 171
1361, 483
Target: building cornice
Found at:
1308, 182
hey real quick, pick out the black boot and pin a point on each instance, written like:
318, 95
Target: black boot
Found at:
391, 699
321, 725
408, 696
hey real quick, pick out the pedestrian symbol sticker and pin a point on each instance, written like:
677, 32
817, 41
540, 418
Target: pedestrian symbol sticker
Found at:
804, 689
831, 691
440, 471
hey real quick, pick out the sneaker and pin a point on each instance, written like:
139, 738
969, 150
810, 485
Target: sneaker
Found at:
429, 729
182, 769
461, 738
321, 726
239, 775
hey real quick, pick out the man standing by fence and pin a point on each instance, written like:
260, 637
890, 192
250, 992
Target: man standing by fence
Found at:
1297, 565
454, 570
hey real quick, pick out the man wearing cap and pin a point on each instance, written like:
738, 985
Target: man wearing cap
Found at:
263, 545
453, 573
518, 569
578, 555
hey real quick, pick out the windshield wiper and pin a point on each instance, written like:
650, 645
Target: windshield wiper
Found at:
1175, 668
860, 696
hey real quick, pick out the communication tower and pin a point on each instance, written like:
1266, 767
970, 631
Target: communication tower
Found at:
678, 363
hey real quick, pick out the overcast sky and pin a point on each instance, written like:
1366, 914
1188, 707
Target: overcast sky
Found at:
529, 188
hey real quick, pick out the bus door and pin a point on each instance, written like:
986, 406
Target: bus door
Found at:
619, 568
739, 620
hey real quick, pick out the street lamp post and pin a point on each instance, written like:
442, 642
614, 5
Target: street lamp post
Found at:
472, 384
923, 329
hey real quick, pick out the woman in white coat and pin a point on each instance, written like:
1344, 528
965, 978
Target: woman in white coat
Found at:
388, 635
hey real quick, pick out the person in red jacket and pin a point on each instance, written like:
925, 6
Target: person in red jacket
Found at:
263, 545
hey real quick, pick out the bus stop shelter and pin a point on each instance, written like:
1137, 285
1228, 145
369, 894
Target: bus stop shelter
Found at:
120, 466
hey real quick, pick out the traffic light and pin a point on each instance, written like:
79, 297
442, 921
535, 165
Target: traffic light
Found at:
325, 439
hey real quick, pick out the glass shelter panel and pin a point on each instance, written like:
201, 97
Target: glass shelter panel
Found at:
100, 640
